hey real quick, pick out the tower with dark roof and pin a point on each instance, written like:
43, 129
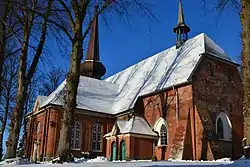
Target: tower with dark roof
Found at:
92, 66
181, 30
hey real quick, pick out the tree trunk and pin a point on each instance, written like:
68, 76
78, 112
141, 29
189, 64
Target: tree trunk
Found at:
16, 119
24, 80
2, 42
245, 21
6, 111
63, 150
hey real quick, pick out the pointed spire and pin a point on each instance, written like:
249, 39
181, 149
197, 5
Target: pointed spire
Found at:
181, 29
180, 14
93, 46
92, 67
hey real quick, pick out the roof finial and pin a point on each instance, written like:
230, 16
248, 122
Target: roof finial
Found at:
181, 29
92, 67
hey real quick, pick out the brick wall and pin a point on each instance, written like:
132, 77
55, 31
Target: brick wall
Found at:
221, 92
176, 107
48, 136
136, 147
86, 122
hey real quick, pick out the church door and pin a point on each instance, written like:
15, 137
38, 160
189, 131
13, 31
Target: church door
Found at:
114, 152
123, 150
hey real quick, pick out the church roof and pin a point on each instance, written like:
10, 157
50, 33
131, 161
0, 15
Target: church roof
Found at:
163, 70
41, 99
135, 125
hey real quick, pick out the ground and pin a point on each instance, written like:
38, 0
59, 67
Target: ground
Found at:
102, 162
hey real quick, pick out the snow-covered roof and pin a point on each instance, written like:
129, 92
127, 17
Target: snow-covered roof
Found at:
135, 125
94, 95
41, 99
165, 69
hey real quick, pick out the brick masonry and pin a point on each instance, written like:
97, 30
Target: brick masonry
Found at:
190, 111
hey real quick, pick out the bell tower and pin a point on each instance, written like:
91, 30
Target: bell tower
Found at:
181, 30
92, 66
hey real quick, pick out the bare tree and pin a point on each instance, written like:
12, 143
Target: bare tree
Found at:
51, 80
32, 92
9, 84
8, 29
29, 20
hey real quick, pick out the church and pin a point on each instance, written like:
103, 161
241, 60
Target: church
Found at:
182, 103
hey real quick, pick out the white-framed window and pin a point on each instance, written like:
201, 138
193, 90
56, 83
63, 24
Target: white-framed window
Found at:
161, 127
96, 137
164, 135
76, 136
223, 127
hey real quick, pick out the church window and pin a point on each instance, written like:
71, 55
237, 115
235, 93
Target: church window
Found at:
96, 137
211, 69
75, 135
164, 139
223, 127
220, 129
161, 127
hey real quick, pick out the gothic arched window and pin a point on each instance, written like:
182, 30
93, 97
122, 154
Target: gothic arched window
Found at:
220, 131
96, 137
164, 137
223, 126
75, 135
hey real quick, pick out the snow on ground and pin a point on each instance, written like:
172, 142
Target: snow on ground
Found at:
103, 162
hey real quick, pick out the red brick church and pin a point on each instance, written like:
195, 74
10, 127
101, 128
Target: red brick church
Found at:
182, 103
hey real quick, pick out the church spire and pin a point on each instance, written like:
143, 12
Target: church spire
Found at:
92, 67
181, 29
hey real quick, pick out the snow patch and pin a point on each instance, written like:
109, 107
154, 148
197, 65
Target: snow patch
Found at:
224, 160
79, 160
15, 161
99, 159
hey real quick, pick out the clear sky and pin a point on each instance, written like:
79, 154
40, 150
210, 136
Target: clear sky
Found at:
122, 45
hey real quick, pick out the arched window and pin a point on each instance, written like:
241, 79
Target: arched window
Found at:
161, 127
75, 135
223, 126
96, 137
164, 138
220, 128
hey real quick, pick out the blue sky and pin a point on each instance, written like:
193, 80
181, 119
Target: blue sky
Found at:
122, 44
